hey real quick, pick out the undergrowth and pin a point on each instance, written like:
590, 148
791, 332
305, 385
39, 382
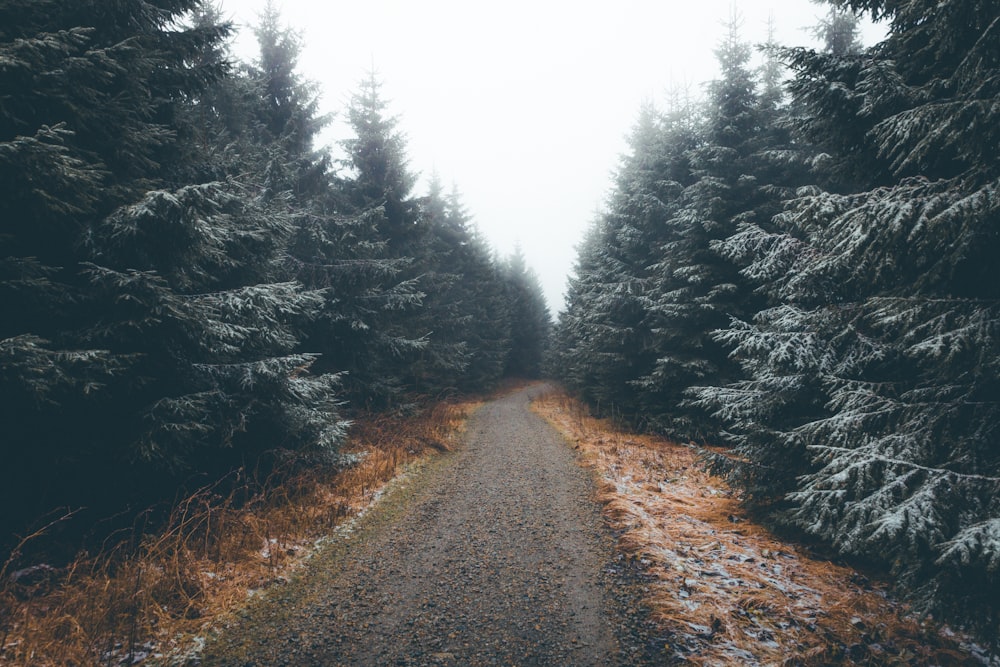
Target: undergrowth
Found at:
723, 587
144, 590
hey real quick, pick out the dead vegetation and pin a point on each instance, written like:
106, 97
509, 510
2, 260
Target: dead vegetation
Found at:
148, 592
726, 589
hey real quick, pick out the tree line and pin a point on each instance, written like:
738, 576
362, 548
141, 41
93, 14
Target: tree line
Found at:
802, 270
188, 281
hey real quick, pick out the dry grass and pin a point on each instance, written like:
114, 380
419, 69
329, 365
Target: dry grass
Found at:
725, 588
144, 592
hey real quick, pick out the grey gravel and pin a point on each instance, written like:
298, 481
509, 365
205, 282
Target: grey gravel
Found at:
494, 555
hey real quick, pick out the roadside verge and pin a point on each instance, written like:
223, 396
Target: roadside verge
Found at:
726, 589
150, 593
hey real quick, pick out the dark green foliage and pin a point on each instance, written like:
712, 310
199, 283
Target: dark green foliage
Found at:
695, 290
837, 249
288, 105
465, 310
591, 339
186, 282
446, 322
379, 193
377, 156
870, 406
207, 372
85, 125
606, 338
637, 331
485, 313
530, 322
839, 31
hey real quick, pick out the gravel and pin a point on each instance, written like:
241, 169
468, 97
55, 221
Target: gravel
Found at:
495, 554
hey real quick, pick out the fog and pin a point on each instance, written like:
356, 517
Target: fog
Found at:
524, 105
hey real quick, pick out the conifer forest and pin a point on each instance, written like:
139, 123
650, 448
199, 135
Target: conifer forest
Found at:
802, 272
793, 267
188, 281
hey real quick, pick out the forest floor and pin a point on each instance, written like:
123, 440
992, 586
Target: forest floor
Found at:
159, 590
511, 540
724, 589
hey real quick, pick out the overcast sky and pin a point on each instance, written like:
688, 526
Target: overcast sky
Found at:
524, 104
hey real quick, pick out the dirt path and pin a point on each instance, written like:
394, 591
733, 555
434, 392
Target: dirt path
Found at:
495, 555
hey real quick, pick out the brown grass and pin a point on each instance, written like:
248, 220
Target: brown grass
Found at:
725, 588
148, 592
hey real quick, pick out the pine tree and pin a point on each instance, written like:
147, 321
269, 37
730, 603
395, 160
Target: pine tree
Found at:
530, 321
603, 340
444, 314
466, 303
839, 31
828, 96
768, 252
695, 289
570, 357
596, 338
166, 341
484, 311
870, 411
239, 381
378, 193
85, 130
290, 104
377, 156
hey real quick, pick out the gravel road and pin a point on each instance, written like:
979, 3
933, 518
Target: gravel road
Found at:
493, 555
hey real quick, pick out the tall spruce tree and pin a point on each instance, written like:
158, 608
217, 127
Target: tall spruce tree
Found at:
604, 341
839, 31
165, 341
587, 340
90, 93
444, 314
695, 289
382, 178
883, 346
378, 190
485, 305
569, 357
767, 250
530, 321
465, 310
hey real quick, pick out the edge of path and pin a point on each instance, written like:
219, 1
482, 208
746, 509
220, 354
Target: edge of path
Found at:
622, 582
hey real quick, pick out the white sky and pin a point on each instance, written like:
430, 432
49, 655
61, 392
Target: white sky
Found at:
524, 104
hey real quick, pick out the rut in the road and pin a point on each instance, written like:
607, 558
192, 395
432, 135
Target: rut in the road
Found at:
496, 558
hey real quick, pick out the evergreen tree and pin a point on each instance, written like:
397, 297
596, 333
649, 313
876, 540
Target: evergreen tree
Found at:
465, 309
90, 89
694, 288
377, 156
766, 250
378, 192
604, 341
447, 289
289, 104
570, 357
871, 403
489, 332
444, 314
839, 31
828, 97
530, 322
589, 344
153, 331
